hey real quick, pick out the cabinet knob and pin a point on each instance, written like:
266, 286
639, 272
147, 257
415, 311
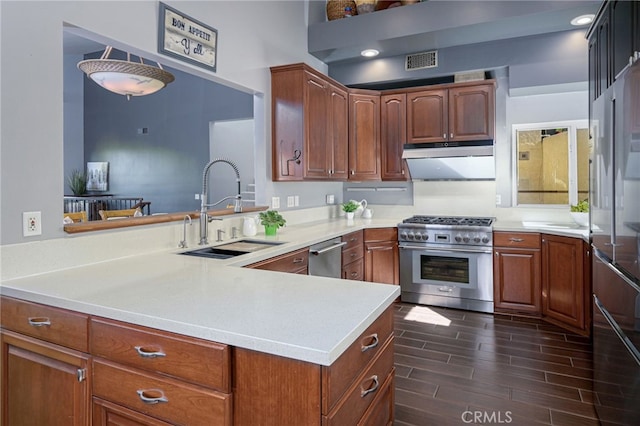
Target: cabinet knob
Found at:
353, 172
451, 136
444, 136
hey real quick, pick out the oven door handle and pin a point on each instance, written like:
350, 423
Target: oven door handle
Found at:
457, 250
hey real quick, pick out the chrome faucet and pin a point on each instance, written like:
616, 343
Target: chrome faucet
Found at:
204, 217
183, 243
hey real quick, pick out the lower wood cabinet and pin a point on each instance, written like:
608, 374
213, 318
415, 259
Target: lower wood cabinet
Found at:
108, 414
543, 275
296, 262
566, 289
42, 383
517, 284
382, 255
353, 256
272, 390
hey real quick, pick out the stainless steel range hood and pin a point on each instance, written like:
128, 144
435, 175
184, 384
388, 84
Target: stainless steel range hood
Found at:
468, 160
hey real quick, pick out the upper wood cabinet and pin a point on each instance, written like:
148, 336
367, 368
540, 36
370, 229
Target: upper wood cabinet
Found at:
461, 112
364, 136
310, 125
393, 135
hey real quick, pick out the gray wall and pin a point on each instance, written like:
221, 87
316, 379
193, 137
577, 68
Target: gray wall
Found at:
165, 165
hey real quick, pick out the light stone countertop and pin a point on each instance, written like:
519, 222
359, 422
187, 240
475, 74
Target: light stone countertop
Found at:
307, 318
568, 229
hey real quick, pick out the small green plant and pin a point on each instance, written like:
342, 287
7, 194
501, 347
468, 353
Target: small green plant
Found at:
272, 218
77, 181
581, 207
350, 206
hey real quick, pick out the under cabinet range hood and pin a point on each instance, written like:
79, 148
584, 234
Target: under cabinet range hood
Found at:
468, 160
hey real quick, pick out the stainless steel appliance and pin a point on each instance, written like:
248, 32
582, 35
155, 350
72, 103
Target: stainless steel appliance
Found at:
615, 236
465, 160
447, 261
325, 258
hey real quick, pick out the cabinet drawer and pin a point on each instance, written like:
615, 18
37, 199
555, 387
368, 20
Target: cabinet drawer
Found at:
338, 377
354, 270
360, 396
380, 412
516, 239
167, 399
353, 239
352, 254
107, 414
290, 262
54, 325
194, 360
381, 234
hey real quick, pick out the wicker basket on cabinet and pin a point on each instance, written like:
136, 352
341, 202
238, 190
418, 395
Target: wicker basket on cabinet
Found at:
336, 9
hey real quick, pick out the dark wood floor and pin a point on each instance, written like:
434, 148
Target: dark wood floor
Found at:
453, 365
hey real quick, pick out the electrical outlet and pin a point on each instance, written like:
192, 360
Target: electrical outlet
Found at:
330, 199
296, 201
197, 196
275, 202
290, 201
498, 199
31, 224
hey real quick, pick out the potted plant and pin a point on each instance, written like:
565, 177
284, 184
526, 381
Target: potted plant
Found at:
77, 181
272, 220
580, 213
349, 208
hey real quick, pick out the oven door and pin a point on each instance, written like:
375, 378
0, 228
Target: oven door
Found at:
458, 273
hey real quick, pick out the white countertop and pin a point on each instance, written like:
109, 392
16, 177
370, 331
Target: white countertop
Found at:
312, 319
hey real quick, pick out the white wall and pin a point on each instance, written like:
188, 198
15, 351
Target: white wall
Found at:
253, 35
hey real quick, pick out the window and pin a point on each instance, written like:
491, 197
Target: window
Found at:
551, 163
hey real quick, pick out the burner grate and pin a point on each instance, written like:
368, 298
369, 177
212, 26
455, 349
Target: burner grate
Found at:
451, 220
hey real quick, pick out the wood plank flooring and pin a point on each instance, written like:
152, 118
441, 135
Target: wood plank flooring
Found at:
457, 367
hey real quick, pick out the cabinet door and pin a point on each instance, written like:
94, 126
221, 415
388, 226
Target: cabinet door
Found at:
287, 109
471, 113
427, 116
44, 383
339, 133
563, 280
517, 285
393, 135
364, 137
108, 414
621, 34
316, 116
382, 262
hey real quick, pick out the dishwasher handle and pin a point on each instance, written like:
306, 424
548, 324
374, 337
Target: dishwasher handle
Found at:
326, 249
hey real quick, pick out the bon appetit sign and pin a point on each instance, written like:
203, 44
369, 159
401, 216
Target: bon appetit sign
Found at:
186, 38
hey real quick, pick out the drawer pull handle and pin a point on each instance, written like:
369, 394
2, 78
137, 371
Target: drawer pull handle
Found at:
373, 388
146, 353
39, 321
371, 345
516, 240
298, 260
152, 396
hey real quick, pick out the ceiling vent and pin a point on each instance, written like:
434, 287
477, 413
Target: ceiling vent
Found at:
418, 61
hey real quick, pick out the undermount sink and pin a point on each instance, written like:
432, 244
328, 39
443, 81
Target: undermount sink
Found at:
232, 249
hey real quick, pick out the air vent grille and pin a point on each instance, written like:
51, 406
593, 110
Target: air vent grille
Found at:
418, 61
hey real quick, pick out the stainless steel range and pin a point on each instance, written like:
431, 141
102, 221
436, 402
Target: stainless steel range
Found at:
447, 261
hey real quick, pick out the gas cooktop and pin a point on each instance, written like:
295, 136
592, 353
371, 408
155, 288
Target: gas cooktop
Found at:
450, 220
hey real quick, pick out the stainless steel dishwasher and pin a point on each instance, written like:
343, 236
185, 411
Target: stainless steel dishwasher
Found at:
325, 258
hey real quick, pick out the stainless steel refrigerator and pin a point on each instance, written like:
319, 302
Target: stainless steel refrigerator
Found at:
615, 236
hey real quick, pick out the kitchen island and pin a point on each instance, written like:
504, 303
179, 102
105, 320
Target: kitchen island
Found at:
299, 327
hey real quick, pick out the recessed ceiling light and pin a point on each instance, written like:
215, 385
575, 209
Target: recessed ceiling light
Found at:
369, 53
582, 20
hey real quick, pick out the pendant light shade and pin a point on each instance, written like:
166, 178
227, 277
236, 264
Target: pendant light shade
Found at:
125, 77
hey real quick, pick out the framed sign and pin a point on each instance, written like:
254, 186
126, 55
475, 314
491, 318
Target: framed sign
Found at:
187, 39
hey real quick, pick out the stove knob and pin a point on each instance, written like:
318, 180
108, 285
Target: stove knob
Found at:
425, 237
466, 238
476, 238
410, 235
418, 236
458, 238
485, 239
403, 235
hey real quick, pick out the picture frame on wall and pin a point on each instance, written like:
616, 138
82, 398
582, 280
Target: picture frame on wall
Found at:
98, 176
186, 38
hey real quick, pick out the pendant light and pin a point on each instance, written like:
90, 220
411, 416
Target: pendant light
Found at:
125, 77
